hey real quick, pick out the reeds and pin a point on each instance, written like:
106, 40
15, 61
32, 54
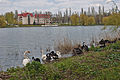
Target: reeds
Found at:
64, 46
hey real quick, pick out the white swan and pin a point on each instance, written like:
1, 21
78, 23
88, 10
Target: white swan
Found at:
43, 55
58, 53
26, 58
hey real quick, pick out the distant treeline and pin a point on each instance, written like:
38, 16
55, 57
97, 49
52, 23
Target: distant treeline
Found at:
90, 17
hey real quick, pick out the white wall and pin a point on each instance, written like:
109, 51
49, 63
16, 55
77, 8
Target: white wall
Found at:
41, 20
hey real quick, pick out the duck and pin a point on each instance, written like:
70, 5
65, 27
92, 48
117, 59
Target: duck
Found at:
102, 46
107, 41
102, 41
26, 59
84, 47
36, 59
77, 51
114, 41
119, 39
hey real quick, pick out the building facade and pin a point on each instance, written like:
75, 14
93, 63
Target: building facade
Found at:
29, 18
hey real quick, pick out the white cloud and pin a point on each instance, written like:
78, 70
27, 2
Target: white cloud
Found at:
107, 1
61, 0
5, 2
96, 5
33, 3
50, 5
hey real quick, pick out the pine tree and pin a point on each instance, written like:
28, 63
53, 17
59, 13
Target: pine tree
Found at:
88, 11
16, 14
100, 16
82, 10
93, 11
69, 20
103, 12
66, 16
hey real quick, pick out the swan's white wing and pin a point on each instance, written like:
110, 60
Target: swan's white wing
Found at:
26, 61
44, 57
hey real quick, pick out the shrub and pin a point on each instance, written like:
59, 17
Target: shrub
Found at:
35, 70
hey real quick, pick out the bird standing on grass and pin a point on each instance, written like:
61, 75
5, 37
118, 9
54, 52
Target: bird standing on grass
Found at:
84, 47
26, 59
58, 53
44, 57
36, 59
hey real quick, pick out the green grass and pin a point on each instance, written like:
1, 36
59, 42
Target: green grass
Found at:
29, 25
112, 47
103, 64
13, 26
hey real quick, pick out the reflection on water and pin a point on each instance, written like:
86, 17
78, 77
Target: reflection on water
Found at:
14, 41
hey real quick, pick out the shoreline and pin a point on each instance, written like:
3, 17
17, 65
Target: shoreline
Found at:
27, 26
103, 58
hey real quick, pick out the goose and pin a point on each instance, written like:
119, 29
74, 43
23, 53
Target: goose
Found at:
53, 55
44, 57
36, 59
26, 59
49, 57
59, 54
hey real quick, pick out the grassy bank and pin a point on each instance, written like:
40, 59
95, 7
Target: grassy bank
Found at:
67, 25
80, 25
97, 64
29, 25
14, 26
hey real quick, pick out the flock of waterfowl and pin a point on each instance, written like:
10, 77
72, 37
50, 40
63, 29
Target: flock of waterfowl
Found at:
49, 56
102, 43
54, 55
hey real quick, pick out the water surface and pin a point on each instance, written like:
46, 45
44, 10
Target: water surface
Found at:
14, 41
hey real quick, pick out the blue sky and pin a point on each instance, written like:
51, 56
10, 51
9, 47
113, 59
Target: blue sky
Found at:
52, 5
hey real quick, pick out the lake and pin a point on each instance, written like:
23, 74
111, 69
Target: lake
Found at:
14, 41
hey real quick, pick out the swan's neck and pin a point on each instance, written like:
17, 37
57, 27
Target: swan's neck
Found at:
25, 56
42, 52
83, 44
58, 53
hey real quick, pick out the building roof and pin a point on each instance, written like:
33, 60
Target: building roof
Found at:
42, 15
36, 15
25, 14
